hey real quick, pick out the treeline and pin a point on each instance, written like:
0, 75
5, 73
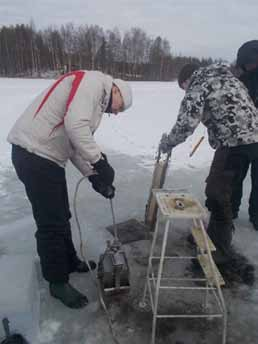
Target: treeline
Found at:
25, 51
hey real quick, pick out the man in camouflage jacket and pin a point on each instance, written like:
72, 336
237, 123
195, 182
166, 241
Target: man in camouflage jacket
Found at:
215, 97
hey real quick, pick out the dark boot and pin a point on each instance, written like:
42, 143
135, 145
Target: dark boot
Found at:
220, 257
234, 215
68, 295
238, 270
190, 240
254, 222
81, 266
235, 269
221, 233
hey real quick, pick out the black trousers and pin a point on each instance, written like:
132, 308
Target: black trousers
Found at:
237, 191
46, 188
226, 171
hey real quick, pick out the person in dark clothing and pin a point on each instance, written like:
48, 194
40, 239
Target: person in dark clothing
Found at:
215, 97
247, 63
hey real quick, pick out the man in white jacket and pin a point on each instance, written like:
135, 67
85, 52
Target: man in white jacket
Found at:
56, 127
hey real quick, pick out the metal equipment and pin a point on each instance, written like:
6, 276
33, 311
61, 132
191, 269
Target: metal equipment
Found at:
98, 282
113, 269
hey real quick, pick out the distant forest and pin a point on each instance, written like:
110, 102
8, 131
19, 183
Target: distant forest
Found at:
25, 51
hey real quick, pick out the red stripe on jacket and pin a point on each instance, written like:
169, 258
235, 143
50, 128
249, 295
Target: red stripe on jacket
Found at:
76, 82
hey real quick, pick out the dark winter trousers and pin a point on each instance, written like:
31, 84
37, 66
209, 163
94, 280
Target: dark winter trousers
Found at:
226, 170
237, 191
46, 188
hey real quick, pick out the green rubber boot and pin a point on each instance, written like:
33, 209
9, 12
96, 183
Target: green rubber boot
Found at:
68, 295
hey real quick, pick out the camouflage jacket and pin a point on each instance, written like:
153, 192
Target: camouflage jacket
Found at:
222, 103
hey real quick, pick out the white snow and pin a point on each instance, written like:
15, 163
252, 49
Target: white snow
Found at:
21, 304
138, 131
135, 132
48, 330
15, 95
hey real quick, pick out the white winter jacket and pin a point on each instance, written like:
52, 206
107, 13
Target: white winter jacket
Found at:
59, 124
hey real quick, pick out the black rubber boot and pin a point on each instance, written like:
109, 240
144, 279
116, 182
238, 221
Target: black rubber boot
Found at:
239, 270
81, 267
190, 240
254, 222
234, 215
68, 295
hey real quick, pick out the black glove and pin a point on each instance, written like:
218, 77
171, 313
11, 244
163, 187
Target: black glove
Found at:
105, 171
165, 145
108, 191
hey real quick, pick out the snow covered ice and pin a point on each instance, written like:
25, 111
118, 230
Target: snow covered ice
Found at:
135, 132
130, 141
21, 303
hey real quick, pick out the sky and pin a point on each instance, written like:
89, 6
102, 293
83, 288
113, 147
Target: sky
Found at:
201, 28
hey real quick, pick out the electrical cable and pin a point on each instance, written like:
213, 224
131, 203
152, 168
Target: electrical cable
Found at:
94, 280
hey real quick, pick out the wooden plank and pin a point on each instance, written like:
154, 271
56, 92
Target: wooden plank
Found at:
199, 239
158, 179
208, 271
191, 208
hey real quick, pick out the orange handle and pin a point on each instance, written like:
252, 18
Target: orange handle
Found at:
196, 146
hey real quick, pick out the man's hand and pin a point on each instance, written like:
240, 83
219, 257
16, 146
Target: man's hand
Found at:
104, 170
107, 191
165, 145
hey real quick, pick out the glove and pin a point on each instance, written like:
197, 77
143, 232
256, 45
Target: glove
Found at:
165, 145
104, 170
107, 191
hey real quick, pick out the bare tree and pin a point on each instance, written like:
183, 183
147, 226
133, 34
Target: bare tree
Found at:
68, 37
136, 56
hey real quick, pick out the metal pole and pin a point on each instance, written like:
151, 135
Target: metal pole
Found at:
150, 260
114, 220
156, 300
